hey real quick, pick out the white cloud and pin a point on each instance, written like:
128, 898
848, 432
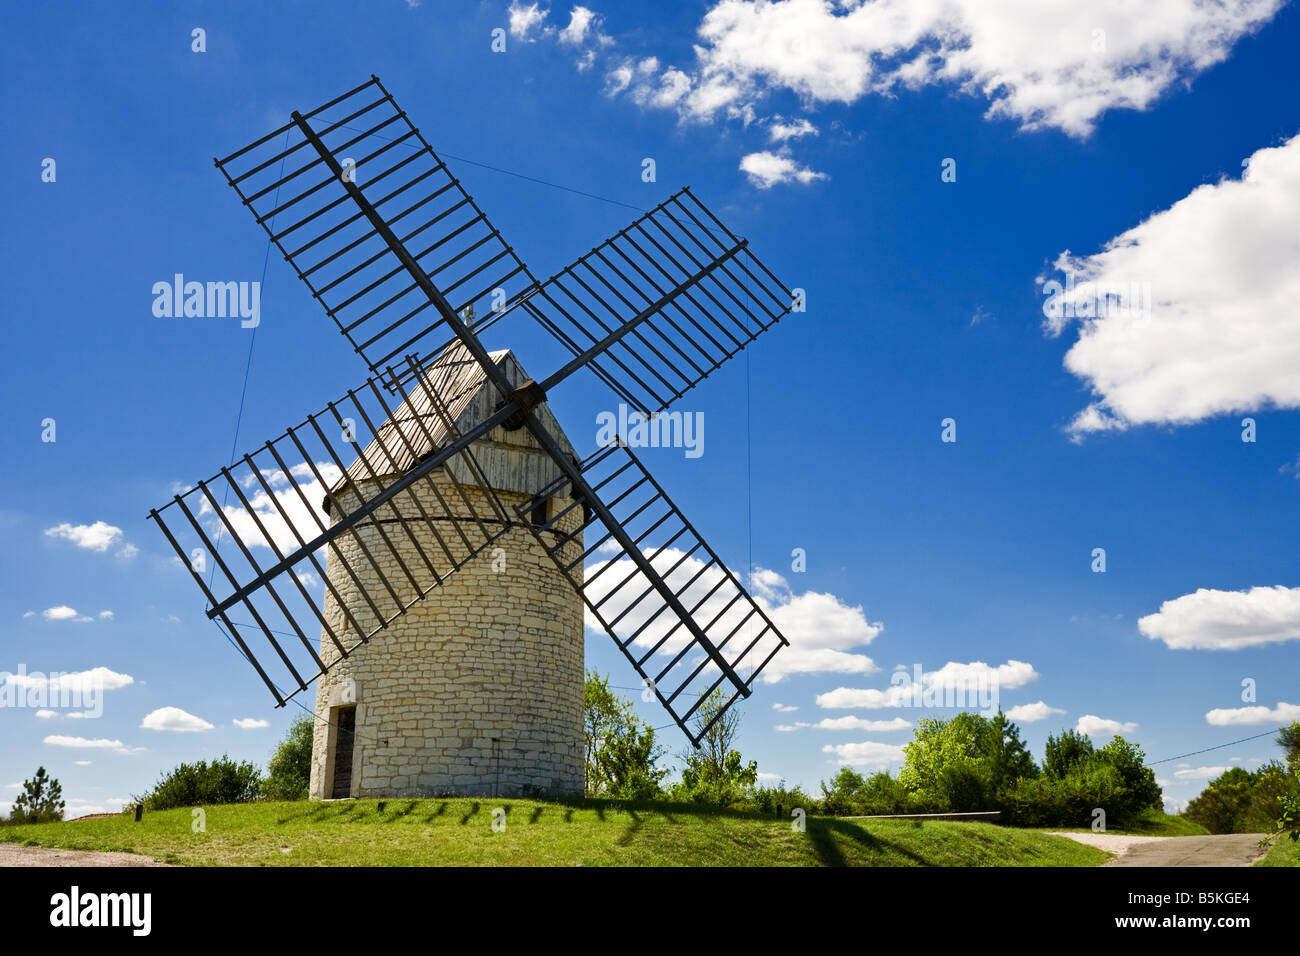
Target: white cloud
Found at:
1199, 773
102, 743
82, 763
1010, 675
106, 615
1029, 713
868, 753
1036, 61
63, 613
287, 497
784, 708
1214, 285
250, 723
70, 714
128, 551
523, 19
962, 679
174, 719
1283, 713
780, 130
766, 169
28, 614
1093, 726
824, 633
1226, 620
46, 714
99, 536
581, 20
858, 723
78, 682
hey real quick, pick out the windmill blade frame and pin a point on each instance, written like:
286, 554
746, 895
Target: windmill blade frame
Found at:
672, 296
383, 498
342, 256
681, 562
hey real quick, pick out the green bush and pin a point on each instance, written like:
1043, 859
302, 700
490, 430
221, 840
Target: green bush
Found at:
195, 784
1244, 801
288, 774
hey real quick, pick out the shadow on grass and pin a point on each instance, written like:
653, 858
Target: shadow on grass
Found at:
823, 830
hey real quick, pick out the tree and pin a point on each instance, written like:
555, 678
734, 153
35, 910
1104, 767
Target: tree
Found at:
40, 802
1009, 758
289, 772
621, 749
1065, 752
1288, 738
715, 772
843, 792
966, 762
1141, 792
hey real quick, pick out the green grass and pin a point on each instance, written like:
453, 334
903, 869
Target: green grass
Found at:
1150, 824
458, 832
1283, 852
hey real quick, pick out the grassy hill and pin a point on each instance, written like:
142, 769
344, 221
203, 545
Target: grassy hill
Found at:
537, 832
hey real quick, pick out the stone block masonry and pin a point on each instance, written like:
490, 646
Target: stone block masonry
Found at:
477, 690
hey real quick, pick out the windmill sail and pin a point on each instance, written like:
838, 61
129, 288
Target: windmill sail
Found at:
682, 660
672, 297
309, 212
262, 529
402, 259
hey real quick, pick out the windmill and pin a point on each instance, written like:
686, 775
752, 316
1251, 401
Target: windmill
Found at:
412, 273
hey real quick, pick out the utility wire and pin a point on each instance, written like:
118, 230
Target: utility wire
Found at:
1266, 733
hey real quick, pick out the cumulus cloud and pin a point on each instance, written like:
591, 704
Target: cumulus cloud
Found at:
250, 723
868, 753
1045, 63
779, 130
174, 719
825, 634
99, 536
932, 687
74, 682
784, 708
1283, 713
286, 489
1226, 620
63, 613
581, 22
101, 743
1030, 713
1093, 726
524, 19
859, 723
766, 169
1191, 313
1199, 773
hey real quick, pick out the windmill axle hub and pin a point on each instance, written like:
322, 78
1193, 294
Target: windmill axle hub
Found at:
527, 396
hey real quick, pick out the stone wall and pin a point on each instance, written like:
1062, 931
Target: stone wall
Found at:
477, 689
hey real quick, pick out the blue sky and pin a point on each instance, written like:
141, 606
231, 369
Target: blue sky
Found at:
820, 133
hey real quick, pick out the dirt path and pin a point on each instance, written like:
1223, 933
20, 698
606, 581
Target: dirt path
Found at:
1228, 849
11, 854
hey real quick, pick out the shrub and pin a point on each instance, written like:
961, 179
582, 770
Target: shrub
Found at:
288, 774
194, 784
1244, 801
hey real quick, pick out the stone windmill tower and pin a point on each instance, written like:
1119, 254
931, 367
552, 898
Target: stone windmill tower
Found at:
465, 545
478, 688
